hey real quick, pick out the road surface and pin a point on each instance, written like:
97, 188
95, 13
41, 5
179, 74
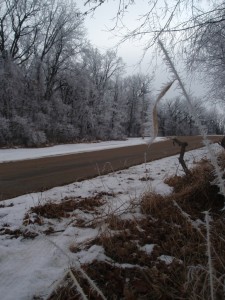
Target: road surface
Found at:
35, 175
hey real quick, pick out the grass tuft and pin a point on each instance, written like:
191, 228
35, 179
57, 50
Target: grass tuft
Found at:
68, 205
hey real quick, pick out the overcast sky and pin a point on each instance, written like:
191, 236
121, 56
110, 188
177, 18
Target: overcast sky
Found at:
98, 32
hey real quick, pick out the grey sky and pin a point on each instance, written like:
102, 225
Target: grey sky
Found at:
99, 25
98, 32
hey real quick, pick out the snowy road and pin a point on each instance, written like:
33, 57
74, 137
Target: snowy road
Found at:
32, 175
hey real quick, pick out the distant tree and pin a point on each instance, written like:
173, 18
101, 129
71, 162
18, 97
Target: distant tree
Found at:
12, 88
176, 119
214, 121
135, 88
102, 70
117, 123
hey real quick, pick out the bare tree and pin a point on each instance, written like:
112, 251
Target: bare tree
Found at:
207, 53
136, 88
59, 40
19, 27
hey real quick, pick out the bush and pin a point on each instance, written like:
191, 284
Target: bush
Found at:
24, 133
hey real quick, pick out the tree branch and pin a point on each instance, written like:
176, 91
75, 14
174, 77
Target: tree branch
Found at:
183, 145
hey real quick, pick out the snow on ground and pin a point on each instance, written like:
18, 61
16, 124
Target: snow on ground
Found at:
32, 267
7, 155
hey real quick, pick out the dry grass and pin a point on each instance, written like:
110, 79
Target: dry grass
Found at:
151, 203
68, 290
63, 209
195, 192
174, 225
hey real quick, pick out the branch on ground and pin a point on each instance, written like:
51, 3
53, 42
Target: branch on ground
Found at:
183, 145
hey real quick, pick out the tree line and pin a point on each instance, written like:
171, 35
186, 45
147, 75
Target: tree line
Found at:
55, 87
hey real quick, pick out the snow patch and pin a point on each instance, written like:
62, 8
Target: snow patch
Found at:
148, 248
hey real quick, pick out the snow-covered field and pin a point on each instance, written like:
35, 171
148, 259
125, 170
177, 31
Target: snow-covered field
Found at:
33, 267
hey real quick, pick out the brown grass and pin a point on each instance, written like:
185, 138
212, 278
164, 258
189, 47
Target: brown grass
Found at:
195, 192
151, 203
68, 291
68, 205
174, 234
